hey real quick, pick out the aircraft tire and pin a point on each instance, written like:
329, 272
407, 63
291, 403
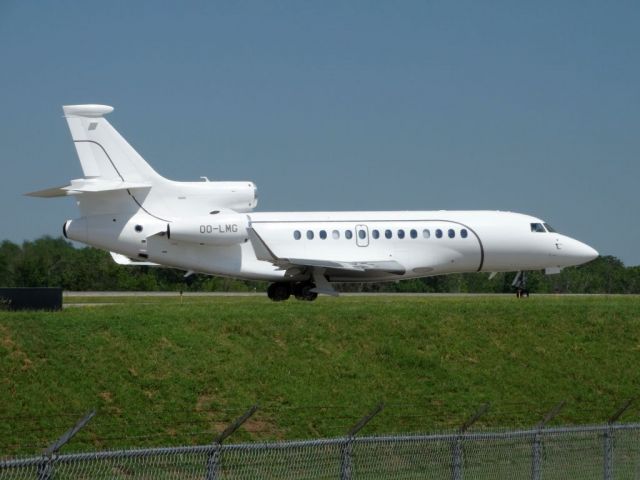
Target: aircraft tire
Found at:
310, 297
302, 291
279, 291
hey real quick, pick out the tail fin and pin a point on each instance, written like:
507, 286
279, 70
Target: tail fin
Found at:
102, 151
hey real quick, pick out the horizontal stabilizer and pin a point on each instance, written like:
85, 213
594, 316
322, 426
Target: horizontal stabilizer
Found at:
124, 260
91, 186
88, 185
50, 192
91, 111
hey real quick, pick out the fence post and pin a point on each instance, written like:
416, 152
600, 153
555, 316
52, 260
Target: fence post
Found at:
45, 469
608, 439
213, 460
536, 447
457, 453
346, 467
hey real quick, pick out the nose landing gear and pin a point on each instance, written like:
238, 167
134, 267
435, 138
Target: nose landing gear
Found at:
520, 284
281, 291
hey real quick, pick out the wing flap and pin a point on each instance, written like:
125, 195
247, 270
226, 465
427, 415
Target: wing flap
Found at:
386, 266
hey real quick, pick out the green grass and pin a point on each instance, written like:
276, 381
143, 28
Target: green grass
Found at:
160, 372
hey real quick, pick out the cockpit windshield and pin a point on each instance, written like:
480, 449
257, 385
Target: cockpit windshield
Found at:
542, 228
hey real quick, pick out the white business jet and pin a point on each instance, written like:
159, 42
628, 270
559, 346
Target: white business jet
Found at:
210, 227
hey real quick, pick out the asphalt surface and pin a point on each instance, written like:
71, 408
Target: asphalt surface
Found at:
69, 294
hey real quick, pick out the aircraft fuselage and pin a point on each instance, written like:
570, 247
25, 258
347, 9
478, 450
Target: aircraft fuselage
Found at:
424, 243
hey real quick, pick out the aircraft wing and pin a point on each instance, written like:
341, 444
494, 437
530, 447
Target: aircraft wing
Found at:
124, 260
387, 266
263, 252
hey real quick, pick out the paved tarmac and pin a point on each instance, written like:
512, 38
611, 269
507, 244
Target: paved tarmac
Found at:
69, 294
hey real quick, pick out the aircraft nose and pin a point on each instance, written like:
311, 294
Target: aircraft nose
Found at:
581, 252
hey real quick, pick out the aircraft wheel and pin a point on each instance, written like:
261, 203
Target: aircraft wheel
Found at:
296, 290
302, 291
279, 291
310, 296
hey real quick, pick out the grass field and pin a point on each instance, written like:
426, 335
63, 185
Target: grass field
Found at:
162, 372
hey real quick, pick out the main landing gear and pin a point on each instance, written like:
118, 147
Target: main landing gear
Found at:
281, 291
520, 284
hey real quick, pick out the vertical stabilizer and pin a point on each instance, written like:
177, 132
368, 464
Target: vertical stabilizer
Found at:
102, 151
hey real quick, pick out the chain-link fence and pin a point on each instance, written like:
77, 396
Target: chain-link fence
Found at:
607, 451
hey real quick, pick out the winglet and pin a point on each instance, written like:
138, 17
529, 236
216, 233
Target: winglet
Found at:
263, 252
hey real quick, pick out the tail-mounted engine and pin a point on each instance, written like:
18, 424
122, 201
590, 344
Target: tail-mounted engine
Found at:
199, 196
219, 229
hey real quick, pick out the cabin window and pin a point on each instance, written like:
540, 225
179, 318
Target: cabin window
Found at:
414, 234
297, 235
335, 234
426, 233
310, 234
537, 227
400, 233
362, 234
323, 234
452, 233
463, 233
375, 234
388, 234
138, 228
348, 234
438, 233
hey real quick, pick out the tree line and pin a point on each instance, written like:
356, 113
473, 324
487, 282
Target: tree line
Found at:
55, 262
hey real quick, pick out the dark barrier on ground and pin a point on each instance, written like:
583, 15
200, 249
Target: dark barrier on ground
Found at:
30, 298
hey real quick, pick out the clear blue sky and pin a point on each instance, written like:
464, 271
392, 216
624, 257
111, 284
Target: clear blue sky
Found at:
526, 106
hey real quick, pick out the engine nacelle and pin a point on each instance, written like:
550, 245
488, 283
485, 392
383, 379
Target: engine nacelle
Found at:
203, 197
237, 196
221, 229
